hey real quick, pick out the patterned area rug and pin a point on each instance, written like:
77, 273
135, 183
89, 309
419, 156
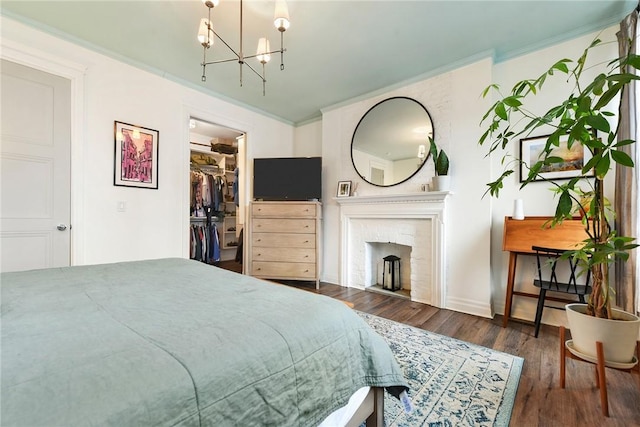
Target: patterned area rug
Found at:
452, 382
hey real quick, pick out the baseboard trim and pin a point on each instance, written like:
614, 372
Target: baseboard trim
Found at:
469, 307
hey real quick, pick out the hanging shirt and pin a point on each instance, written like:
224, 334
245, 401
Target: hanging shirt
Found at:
236, 198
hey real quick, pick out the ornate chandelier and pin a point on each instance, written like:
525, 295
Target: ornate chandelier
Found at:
206, 36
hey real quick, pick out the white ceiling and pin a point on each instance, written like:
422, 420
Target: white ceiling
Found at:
336, 50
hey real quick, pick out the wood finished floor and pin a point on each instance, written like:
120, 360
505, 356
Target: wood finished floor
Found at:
539, 401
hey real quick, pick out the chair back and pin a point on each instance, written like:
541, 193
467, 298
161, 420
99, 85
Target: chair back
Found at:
551, 267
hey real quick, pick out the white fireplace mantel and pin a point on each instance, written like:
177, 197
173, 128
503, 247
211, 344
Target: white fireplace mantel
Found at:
423, 196
414, 219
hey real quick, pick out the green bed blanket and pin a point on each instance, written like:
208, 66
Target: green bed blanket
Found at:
178, 342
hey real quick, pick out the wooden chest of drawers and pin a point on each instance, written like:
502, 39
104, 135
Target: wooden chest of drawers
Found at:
285, 240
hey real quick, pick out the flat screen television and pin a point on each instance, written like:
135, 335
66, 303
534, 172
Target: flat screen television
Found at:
287, 178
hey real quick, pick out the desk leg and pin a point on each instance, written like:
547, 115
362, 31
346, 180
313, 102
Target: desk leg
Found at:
510, 279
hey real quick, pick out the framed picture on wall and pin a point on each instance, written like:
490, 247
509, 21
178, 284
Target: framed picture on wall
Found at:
136, 156
344, 188
573, 159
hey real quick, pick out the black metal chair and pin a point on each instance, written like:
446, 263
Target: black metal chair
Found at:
549, 264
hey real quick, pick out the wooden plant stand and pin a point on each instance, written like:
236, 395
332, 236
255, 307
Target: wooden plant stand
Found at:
601, 381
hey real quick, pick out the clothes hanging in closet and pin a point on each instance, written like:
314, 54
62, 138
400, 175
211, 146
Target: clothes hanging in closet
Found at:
207, 196
205, 243
207, 203
236, 196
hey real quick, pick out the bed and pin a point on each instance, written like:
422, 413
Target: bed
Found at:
180, 343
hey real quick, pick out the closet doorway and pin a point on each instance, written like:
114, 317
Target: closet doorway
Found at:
216, 187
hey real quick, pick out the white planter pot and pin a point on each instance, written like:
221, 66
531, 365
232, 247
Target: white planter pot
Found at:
441, 183
618, 337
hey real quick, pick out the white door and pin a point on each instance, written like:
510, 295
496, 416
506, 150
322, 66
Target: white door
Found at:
35, 157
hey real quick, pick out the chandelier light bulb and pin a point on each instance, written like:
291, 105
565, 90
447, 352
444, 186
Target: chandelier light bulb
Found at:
205, 39
281, 20
211, 3
263, 50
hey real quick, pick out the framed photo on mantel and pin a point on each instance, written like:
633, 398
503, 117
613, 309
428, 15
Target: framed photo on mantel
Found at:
344, 188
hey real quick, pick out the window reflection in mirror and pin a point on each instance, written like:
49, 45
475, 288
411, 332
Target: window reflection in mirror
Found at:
390, 143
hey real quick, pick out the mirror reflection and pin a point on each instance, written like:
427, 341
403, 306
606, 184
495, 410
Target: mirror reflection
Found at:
390, 143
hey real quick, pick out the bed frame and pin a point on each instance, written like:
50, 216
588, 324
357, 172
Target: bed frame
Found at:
370, 411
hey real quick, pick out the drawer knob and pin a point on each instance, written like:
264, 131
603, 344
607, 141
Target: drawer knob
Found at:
306, 241
259, 240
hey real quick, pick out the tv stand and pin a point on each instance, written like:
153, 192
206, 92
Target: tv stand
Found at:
284, 240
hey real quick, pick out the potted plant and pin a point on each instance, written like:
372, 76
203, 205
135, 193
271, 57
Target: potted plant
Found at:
580, 119
441, 181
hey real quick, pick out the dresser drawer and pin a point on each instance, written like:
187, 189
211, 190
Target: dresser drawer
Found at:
285, 255
280, 225
283, 240
284, 269
287, 210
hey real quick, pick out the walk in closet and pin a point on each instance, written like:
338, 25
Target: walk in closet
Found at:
215, 222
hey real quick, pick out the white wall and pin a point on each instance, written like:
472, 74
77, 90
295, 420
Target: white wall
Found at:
308, 140
454, 105
155, 223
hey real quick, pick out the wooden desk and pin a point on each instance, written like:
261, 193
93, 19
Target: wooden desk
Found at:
520, 235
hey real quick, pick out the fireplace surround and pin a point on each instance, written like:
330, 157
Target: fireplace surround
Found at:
417, 220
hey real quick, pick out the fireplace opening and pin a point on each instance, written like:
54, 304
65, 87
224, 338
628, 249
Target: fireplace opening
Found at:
379, 257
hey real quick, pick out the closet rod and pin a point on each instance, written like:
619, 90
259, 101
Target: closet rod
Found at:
204, 218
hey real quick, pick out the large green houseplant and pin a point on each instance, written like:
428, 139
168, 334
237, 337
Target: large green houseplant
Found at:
581, 118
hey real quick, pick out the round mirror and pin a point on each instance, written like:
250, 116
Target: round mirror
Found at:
391, 142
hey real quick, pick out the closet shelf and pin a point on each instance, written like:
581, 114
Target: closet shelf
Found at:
206, 168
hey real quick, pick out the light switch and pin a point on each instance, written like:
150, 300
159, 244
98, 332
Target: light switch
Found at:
122, 206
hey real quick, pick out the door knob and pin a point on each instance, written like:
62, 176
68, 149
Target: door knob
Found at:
61, 227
